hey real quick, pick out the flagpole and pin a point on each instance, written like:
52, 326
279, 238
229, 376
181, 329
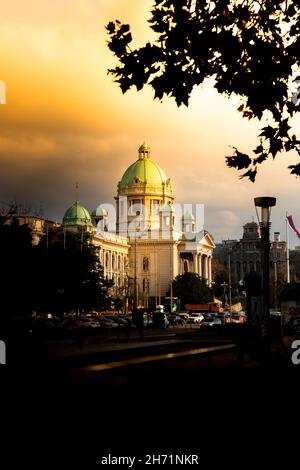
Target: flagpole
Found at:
287, 250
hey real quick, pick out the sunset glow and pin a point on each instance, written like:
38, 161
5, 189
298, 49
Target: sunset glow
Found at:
66, 121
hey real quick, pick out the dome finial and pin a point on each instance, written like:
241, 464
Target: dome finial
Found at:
144, 151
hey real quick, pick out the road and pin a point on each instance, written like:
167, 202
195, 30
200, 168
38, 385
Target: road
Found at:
66, 416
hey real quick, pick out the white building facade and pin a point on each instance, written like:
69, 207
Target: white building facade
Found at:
154, 240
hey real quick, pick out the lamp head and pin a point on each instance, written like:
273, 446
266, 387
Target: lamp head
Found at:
265, 203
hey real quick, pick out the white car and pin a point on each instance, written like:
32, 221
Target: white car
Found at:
196, 317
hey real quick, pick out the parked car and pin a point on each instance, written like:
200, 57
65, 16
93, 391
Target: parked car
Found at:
175, 320
118, 320
184, 316
106, 322
196, 317
88, 322
211, 321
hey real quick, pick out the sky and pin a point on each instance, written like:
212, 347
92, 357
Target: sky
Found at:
66, 122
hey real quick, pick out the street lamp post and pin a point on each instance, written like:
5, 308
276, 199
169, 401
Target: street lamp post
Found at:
135, 302
134, 280
229, 285
224, 285
265, 203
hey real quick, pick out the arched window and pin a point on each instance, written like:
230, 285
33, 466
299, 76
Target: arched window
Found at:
145, 263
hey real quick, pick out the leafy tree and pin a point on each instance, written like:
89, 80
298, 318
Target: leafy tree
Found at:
250, 48
190, 288
220, 279
16, 267
70, 276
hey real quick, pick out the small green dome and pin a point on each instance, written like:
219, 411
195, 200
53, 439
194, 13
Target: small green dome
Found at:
144, 172
77, 215
167, 208
99, 212
187, 216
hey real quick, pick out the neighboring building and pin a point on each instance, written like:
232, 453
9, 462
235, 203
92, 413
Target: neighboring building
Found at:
245, 254
290, 301
147, 250
295, 264
37, 224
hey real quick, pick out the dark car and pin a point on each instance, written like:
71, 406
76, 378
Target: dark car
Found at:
175, 320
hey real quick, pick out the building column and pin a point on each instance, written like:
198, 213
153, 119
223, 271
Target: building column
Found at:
195, 263
209, 271
205, 267
200, 265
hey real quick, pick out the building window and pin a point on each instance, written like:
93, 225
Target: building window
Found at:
155, 206
119, 263
106, 260
145, 264
113, 262
186, 267
136, 206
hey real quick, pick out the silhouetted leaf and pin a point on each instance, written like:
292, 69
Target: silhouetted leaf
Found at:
251, 174
244, 49
295, 169
239, 160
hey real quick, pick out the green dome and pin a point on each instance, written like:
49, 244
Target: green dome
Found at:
77, 215
187, 216
99, 212
144, 172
